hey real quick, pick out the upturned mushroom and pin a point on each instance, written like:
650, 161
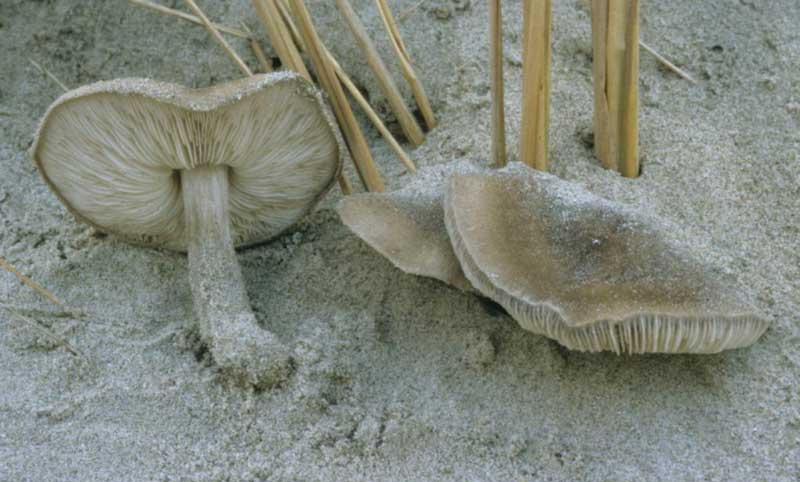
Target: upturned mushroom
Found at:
201, 171
587, 272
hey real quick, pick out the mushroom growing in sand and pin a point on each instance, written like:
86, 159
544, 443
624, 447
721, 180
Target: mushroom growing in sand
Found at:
201, 171
589, 273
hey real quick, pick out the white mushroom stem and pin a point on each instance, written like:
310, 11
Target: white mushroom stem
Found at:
225, 319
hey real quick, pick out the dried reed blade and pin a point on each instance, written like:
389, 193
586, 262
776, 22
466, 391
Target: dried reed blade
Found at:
47, 333
218, 37
665, 61
31, 311
410, 10
371, 114
405, 64
498, 98
292, 43
49, 74
344, 184
406, 120
615, 73
354, 138
188, 17
280, 37
357, 95
629, 122
287, 18
616, 32
30, 283
39, 288
536, 83
601, 118
266, 64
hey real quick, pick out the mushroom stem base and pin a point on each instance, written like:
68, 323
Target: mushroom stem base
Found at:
226, 322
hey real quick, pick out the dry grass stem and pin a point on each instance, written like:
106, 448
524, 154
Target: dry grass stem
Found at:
536, 83
219, 38
46, 332
354, 138
405, 118
188, 17
76, 312
601, 114
629, 155
344, 184
410, 10
266, 64
371, 114
287, 17
358, 96
49, 74
33, 311
32, 284
498, 105
674, 68
615, 72
280, 37
615, 31
405, 64
293, 43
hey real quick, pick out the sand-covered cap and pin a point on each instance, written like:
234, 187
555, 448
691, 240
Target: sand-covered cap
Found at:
407, 226
113, 153
592, 274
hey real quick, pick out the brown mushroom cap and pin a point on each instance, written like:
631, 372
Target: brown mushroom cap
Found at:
591, 274
407, 226
112, 152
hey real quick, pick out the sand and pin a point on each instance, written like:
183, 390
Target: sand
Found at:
399, 377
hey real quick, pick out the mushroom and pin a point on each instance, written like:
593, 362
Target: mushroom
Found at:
592, 274
201, 171
407, 226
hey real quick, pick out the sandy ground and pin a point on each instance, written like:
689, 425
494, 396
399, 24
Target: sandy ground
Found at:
397, 377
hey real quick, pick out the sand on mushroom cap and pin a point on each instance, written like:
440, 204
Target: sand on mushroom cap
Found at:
200, 171
592, 274
407, 226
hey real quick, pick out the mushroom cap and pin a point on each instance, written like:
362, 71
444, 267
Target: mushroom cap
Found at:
592, 274
112, 152
407, 226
